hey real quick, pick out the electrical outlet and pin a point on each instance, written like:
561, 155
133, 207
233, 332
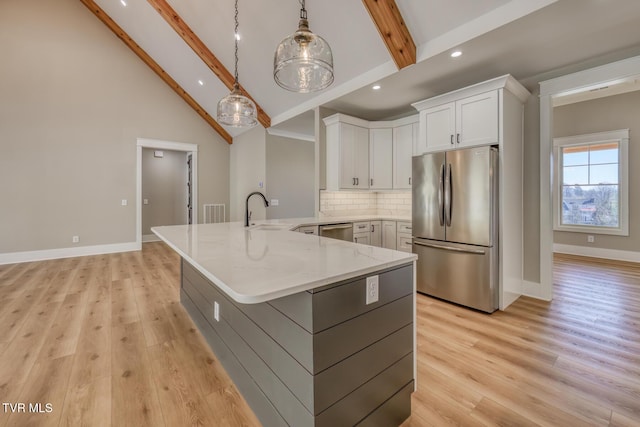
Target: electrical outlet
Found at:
275, 202
216, 311
372, 289
145, 202
124, 202
75, 239
590, 239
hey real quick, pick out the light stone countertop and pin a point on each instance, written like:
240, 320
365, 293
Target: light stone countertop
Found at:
267, 261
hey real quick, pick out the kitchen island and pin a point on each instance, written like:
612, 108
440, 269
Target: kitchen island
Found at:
300, 324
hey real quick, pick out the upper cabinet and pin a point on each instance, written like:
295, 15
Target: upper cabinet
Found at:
347, 153
369, 155
467, 117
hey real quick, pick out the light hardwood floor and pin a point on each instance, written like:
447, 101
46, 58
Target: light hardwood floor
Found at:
104, 340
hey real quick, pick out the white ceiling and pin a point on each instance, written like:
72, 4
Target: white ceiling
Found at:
525, 38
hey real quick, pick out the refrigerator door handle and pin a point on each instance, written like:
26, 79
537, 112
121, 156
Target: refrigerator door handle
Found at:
450, 248
440, 195
447, 195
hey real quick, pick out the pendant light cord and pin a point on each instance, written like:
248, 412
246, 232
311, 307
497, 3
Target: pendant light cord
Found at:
235, 37
303, 10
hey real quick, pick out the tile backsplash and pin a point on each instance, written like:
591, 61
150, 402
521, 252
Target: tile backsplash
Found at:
336, 203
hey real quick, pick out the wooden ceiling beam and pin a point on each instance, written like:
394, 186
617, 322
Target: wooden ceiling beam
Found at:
122, 35
205, 54
387, 18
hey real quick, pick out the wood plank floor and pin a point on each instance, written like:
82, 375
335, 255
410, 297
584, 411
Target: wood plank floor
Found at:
105, 342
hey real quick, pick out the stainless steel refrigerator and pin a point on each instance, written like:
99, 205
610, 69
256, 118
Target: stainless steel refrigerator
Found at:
455, 230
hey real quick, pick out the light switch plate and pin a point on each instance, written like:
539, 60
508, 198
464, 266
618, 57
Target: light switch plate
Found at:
124, 202
372, 289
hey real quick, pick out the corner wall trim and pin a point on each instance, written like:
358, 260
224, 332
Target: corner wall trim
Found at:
613, 254
29, 256
533, 290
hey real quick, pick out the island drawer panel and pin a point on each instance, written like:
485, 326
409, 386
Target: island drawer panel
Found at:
350, 410
288, 334
324, 308
343, 378
341, 341
393, 412
285, 366
261, 406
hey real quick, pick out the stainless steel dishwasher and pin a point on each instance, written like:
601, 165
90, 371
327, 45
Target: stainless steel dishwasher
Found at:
342, 231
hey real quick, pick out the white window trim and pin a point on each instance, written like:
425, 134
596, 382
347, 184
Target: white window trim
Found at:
620, 136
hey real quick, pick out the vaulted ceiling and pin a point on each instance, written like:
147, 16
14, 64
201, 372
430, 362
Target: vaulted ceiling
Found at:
191, 41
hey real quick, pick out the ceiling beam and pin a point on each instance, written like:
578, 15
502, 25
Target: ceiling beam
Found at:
198, 46
387, 18
122, 35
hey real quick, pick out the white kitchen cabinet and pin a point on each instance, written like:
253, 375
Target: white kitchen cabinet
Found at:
403, 236
467, 122
347, 148
308, 229
403, 137
389, 234
376, 234
381, 148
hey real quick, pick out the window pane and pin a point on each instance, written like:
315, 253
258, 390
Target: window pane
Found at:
604, 156
572, 156
604, 174
595, 205
573, 175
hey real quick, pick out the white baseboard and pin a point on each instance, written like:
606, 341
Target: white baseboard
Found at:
146, 238
533, 290
613, 254
28, 256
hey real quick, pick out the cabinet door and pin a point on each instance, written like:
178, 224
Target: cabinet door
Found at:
363, 238
438, 126
376, 233
361, 158
477, 120
402, 149
389, 234
380, 159
347, 155
404, 243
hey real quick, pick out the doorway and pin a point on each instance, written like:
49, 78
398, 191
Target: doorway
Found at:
191, 152
582, 81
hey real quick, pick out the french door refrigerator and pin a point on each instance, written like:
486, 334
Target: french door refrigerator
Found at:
455, 214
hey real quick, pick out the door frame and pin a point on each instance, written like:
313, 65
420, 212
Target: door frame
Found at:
581, 81
163, 145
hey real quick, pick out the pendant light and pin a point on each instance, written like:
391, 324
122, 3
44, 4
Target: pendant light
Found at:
235, 109
303, 62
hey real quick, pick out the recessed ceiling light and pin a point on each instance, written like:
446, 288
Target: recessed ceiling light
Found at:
200, 82
456, 53
123, 2
375, 87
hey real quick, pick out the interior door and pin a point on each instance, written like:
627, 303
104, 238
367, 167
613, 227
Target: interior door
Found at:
428, 196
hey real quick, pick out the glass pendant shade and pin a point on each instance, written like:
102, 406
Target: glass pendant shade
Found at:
236, 110
303, 62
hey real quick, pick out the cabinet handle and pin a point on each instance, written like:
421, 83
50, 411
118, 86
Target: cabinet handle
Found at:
409, 180
357, 181
353, 181
451, 139
458, 138
373, 228
371, 181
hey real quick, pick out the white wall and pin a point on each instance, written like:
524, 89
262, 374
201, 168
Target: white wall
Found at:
290, 167
73, 101
247, 171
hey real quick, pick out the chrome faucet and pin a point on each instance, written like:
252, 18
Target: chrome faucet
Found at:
247, 214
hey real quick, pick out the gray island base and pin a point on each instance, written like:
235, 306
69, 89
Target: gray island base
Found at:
321, 357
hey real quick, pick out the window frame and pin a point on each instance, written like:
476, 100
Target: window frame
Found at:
621, 137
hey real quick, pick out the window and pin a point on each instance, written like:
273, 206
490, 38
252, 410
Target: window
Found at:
591, 183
